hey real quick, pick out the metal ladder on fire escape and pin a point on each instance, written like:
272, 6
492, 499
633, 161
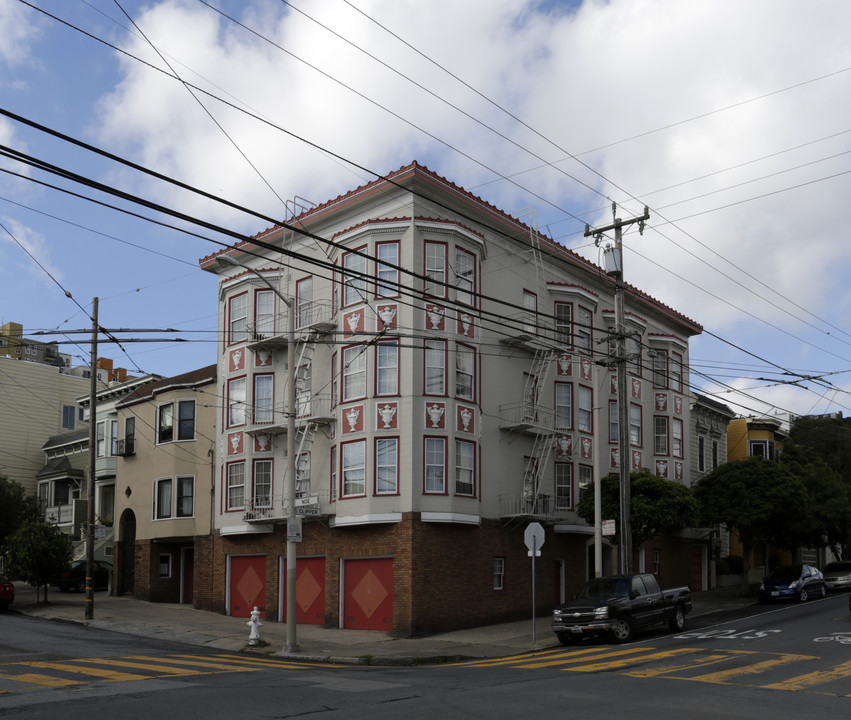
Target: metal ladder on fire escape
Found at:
306, 433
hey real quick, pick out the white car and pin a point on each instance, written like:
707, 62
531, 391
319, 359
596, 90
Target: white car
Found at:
837, 575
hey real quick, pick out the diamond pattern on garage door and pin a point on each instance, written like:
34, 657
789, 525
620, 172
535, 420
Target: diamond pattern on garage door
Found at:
368, 603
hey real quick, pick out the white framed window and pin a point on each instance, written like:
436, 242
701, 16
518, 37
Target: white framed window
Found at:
564, 324
465, 468
235, 495
498, 573
185, 507
465, 277
304, 302
435, 367
676, 372
262, 495
263, 398
130, 435
676, 437
68, 417
238, 317
435, 465
332, 462
585, 408
386, 466
563, 406
660, 445
302, 474
585, 478
660, 369
100, 439
354, 468
354, 373
564, 486
113, 437
164, 565
386, 275
435, 269
465, 372
354, 278
635, 438
165, 423
583, 332
236, 402
387, 368
162, 498
614, 421
264, 313
633, 351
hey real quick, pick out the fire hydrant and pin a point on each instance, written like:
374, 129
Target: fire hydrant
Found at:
255, 625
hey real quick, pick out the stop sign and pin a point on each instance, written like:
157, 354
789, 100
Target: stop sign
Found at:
534, 536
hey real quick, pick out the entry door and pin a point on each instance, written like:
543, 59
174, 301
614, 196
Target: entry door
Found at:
187, 580
247, 585
368, 594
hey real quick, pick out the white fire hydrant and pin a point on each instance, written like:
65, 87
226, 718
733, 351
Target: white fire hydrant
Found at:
255, 625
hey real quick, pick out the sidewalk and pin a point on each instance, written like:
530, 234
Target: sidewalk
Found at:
184, 624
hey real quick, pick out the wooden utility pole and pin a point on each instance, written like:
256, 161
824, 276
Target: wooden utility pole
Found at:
90, 496
614, 268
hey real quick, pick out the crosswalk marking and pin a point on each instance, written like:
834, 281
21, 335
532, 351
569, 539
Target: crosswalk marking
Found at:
41, 680
96, 672
201, 662
667, 670
724, 675
562, 659
620, 662
140, 666
814, 678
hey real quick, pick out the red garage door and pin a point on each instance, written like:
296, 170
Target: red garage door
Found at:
309, 591
247, 585
368, 589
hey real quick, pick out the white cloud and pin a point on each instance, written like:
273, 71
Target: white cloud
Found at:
17, 31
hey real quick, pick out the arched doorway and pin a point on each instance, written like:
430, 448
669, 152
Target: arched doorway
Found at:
127, 538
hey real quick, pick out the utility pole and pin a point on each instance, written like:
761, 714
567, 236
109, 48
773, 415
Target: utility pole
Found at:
614, 268
90, 496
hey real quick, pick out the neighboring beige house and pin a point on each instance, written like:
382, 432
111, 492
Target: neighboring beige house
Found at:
437, 415
37, 401
163, 499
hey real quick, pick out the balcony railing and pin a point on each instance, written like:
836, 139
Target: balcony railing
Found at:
310, 317
526, 505
526, 416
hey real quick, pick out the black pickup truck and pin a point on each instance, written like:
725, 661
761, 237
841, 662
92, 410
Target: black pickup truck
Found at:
618, 605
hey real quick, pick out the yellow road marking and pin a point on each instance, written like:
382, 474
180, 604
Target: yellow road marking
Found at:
595, 667
814, 678
723, 676
96, 672
175, 660
595, 654
36, 679
140, 666
668, 669
273, 663
486, 662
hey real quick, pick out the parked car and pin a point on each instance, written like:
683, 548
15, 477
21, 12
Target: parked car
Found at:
619, 605
792, 582
7, 593
837, 575
74, 578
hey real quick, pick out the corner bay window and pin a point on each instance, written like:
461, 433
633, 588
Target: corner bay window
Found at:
354, 373
435, 465
236, 402
465, 468
353, 463
262, 484
386, 466
238, 314
564, 486
235, 496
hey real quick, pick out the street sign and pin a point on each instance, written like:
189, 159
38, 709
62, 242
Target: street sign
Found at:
608, 527
534, 537
307, 510
309, 500
294, 530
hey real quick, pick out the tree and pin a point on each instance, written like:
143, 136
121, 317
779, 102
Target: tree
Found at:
826, 518
755, 498
657, 506
38, 552
829, 439
15, 508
